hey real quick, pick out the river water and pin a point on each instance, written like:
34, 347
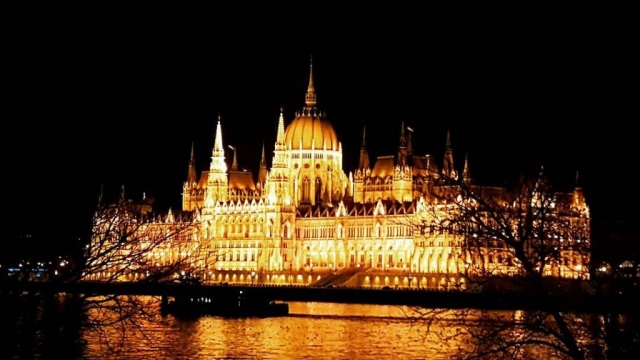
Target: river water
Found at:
311, 331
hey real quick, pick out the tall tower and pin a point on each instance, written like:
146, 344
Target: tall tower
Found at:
279, 189
262, 173
402, 187
189, 186
217, 182
402, 147
364, 155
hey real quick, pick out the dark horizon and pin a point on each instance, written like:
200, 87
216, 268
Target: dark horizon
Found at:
116, 96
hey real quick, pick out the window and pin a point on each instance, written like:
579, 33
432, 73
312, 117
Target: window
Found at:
318, 198
306, 189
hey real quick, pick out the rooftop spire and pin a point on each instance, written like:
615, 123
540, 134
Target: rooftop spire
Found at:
217, 146
403, 139
191, 174
234, 164
466, 175
448, 169
310, 98
280, 135
262, 173
364, 155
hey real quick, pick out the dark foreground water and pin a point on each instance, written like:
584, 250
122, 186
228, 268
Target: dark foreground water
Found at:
312, 331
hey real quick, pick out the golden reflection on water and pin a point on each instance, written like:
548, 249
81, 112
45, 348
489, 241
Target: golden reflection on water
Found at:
311, 331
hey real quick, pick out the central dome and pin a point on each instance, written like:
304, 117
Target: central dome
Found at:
311, 130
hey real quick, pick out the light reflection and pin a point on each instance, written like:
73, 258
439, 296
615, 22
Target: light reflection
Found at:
311, 331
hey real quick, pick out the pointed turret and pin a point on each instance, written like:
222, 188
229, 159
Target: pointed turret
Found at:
579, 203
448, 168
262, 173
402, 147
364, 155
234, 163
280, 135
217, 182
191, 173
310, 97
218, 149
466, 175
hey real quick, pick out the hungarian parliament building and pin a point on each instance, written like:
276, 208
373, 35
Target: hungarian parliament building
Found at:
305, 217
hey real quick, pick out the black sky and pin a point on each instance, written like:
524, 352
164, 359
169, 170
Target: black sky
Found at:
114, 95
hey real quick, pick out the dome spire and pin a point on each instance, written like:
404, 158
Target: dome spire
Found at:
280, 135
310, 98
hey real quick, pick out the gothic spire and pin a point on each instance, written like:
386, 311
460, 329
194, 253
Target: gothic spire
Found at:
262, 173
448, 169
280, 134
364, 155
466, 175
217, 156
310, 97
402, 148
218, 149
191, 174
403, 138
234, 164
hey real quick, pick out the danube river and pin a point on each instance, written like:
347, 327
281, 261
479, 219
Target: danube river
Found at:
311, 331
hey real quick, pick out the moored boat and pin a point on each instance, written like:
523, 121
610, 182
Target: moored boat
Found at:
236, 306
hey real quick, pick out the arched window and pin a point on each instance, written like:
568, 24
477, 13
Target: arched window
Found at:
306, 189
318, 190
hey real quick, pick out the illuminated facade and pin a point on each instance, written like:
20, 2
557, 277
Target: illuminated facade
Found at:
305, 214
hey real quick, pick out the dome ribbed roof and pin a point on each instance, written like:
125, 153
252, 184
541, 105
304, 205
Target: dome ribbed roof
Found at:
311, 130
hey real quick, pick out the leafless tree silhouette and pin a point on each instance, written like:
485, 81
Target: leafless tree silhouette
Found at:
130, 243
525, 239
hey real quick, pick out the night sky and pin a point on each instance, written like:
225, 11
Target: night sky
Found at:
115, 95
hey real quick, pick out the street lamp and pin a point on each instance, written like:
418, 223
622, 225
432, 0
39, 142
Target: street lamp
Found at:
410, 279
253, 275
